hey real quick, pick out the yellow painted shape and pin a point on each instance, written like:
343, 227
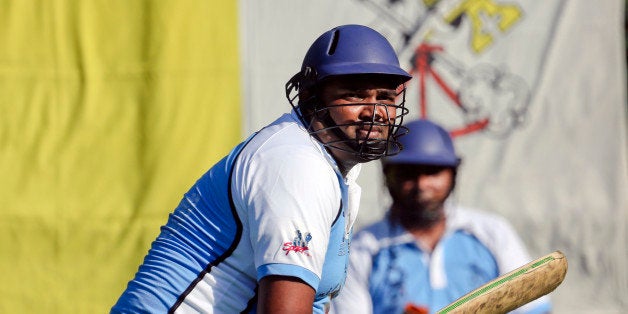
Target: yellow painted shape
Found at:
505, 15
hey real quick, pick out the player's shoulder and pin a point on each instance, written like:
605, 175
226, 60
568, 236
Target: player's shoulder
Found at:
285, 130
465, 213
285, 143
284, 154
379, 228
378, 235
474, 220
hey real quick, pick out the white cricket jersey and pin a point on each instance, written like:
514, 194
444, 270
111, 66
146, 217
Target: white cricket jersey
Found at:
389, 269
276, 205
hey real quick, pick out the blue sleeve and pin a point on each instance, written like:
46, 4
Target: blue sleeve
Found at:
288, 270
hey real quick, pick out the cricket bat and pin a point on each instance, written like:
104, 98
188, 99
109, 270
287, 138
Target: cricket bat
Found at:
514, 289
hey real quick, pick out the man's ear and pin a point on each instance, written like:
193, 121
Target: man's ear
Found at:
454, 178
304, 95
310, 103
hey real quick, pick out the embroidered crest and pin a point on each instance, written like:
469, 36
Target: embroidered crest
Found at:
298, 244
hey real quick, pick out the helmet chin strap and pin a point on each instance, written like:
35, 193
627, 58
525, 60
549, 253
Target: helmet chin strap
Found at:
325, 117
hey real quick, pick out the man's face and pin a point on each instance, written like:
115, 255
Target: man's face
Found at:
419, 191
351, 106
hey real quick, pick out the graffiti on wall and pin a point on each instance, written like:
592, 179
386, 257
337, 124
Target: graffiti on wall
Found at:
487, 97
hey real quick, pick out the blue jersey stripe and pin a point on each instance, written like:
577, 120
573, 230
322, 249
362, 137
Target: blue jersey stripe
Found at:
236, 238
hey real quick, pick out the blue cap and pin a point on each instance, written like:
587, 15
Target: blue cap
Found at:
425, 144
352, 49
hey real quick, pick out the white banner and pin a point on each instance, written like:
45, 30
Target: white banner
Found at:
535, 94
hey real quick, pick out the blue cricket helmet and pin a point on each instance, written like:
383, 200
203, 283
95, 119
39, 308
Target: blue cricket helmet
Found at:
426, 143
349, 50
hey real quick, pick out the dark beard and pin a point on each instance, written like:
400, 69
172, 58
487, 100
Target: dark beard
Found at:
416, 215
370, 149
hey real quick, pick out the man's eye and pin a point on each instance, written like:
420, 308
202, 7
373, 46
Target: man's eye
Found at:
387, 97
352, 96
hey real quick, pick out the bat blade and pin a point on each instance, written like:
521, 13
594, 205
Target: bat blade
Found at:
514, 289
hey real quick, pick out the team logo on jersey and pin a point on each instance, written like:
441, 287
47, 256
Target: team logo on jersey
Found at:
298, 244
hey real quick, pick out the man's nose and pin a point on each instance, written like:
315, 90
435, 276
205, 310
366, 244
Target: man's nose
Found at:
370, 111
423, 180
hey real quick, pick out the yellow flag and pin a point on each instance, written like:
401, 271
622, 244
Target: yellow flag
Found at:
109, 111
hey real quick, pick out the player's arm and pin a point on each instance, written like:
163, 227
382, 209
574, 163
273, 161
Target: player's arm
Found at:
286, 211
284, 294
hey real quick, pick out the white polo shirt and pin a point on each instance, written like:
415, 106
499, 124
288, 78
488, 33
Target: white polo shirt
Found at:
390, 270
276, 205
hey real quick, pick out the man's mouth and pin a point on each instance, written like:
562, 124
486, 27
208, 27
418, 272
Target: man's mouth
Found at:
369, 132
